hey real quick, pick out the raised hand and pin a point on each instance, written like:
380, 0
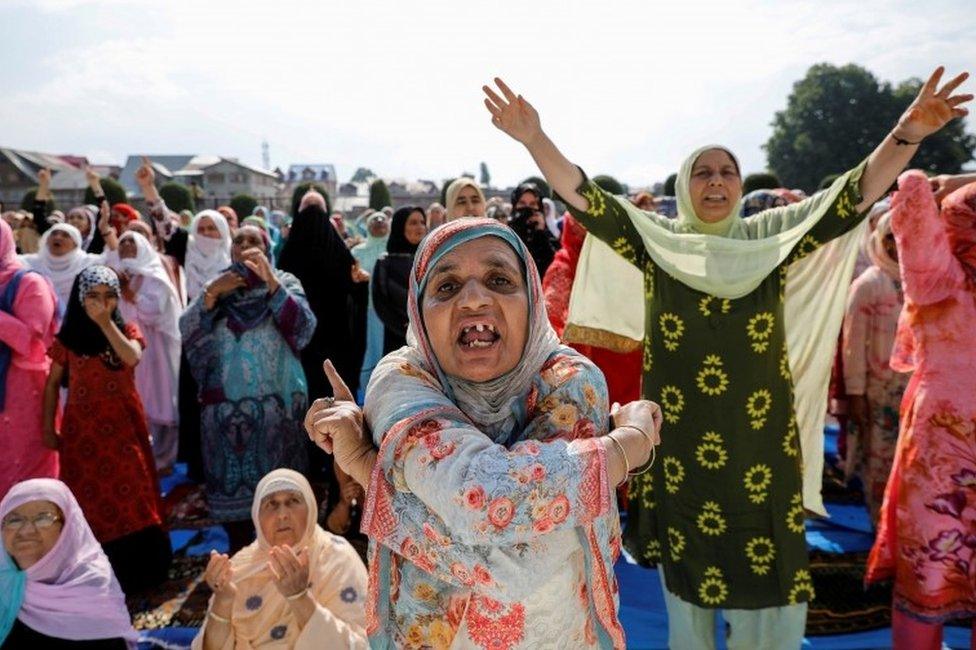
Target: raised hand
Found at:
255, 260
289, 570
219, 576
43, 185
145, 175
512, 113
933, 108
99, 311
330, 418
94, 180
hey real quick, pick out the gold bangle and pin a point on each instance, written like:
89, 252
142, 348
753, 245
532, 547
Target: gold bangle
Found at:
649, 465
298, 595
622, 453
218, 618
638, 430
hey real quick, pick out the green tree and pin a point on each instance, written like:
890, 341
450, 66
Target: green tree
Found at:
669, 184
177, 196
243, 205
363, 175
27, 203
299, 192
114, 192
835, 117
379, 195
610, 184
485, 175
760, 181
541, 184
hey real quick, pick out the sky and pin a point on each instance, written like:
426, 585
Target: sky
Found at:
626, 88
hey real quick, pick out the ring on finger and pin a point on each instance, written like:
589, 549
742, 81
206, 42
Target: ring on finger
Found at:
329, 402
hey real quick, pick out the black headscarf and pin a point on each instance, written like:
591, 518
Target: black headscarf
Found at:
317, 256
397, 243
81, 334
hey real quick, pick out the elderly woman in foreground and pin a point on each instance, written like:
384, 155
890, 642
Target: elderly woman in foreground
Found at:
491, 499
58, 589
297, 586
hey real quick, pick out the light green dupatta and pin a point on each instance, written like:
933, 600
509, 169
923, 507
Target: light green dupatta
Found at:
604, 297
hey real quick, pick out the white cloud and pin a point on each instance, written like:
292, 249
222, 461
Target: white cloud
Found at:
626, 89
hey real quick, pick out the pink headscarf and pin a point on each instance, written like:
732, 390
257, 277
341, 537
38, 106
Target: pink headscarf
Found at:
959, 214
71, 593
9, 262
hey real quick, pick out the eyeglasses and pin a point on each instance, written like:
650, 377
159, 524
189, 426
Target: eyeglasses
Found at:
42, 521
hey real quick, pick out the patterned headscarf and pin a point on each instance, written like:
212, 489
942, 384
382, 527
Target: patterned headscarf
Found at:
489, 403
94, 276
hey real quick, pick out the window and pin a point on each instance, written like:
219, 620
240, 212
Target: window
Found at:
217, 179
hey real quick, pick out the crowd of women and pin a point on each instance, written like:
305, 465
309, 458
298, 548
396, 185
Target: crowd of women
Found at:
459, 364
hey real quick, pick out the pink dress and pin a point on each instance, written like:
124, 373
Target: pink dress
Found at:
869, 334
927, 533
29, 330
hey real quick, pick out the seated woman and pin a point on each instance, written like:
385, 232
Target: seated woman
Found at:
297, 586
491, 507
58, 587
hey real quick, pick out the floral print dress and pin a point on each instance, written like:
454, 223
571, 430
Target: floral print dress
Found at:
722, 509
927, 533
869, 334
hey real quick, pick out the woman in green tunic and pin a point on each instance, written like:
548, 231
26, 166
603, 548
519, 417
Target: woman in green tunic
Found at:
723, 509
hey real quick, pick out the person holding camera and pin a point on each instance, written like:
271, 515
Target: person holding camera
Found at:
243, 335
529, 222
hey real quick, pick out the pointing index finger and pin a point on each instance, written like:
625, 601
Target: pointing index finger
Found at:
340, 391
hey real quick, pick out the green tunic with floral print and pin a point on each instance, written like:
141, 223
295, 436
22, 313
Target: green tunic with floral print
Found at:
721, 510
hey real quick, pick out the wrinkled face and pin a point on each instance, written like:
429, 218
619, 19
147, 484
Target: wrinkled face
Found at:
379, 227
529, 200
60, 243
79, 219
416, 227
245, 239
468, 204
127, 248
207, 228
30, 531
104, 294
715, 185
475, 309
283, 516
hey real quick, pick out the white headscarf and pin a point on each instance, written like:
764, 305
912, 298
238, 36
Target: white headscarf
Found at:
61, 269
91, 212
148, 264
206, 257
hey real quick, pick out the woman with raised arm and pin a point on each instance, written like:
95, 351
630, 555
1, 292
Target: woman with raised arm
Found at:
925, 537
740, 320
491, 501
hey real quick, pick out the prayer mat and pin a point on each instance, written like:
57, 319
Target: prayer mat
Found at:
181, 601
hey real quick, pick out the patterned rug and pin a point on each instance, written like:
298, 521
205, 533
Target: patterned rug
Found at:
181, 601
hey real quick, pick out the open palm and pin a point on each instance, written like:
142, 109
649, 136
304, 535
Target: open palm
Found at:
512, 113
934, 107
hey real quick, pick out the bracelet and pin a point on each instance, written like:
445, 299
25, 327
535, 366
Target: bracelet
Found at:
903, 141
622, 453
640, 431
647, 466
218, 618
298, 595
